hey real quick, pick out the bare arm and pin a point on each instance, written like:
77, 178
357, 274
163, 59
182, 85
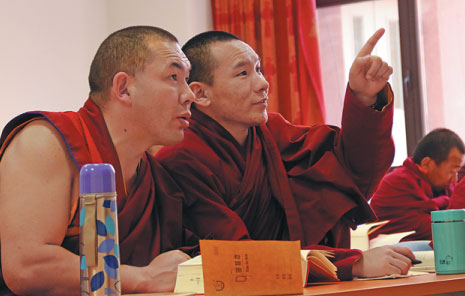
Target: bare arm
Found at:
158, 276
39, 182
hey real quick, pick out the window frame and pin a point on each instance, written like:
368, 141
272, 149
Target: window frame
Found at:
411, 71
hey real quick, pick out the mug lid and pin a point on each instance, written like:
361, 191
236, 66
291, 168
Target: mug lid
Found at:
97, 178
448, 215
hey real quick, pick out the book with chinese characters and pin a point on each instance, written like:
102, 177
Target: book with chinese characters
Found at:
253, 268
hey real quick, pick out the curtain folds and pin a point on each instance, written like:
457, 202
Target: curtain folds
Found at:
284, 34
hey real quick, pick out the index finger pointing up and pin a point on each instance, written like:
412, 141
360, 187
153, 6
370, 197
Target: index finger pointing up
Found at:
370, 44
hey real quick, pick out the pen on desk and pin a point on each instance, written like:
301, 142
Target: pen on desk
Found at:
415, 261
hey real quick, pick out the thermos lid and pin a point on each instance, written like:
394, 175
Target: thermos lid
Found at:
97, 178
448, 215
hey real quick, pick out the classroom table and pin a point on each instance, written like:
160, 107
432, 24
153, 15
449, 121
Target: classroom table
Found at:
427, 284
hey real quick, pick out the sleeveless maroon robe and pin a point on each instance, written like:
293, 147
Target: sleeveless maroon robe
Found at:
149, 217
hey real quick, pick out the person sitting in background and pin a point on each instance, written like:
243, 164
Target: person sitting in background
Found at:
250, 174
138, 98
408, 194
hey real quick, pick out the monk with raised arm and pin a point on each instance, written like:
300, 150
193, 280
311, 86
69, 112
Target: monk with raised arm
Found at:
248, 173
138, 98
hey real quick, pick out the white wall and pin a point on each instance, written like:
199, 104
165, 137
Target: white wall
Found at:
183, 18
452, 45
47, 46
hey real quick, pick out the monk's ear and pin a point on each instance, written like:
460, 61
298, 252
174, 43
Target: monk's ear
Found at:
200, 91
426, 164
121, 88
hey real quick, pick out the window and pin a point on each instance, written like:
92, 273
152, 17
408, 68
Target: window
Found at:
343, 30
431, 53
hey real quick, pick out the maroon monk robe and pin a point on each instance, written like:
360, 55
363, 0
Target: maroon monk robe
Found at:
457, 199
406, 198
149, 217
461, 174
286, 182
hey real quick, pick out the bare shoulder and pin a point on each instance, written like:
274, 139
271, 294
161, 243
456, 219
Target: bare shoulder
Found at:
38, 145
37, 177
38, 187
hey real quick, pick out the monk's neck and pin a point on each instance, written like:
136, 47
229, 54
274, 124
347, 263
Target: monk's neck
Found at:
238, 131
129, 168
128, 146
241, 136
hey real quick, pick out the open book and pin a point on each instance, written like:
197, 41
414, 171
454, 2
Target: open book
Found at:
389, 239
359, 238
316, 266
426, 266
254, 268
427, 261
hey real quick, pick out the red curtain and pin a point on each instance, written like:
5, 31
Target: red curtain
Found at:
284, 35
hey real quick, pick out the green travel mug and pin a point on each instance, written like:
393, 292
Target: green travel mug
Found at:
449, 241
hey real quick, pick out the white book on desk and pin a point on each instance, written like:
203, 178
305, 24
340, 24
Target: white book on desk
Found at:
359, 238
190, 276
427, 261
389, 239
315, 265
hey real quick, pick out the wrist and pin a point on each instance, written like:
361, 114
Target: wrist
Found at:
132, 279
356, 267
377, 102
365, 100
381, 101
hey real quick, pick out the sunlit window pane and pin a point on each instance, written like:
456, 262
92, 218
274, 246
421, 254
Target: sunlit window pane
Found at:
343, 29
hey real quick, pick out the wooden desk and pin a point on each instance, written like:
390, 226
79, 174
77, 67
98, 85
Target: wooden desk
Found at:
427, 284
